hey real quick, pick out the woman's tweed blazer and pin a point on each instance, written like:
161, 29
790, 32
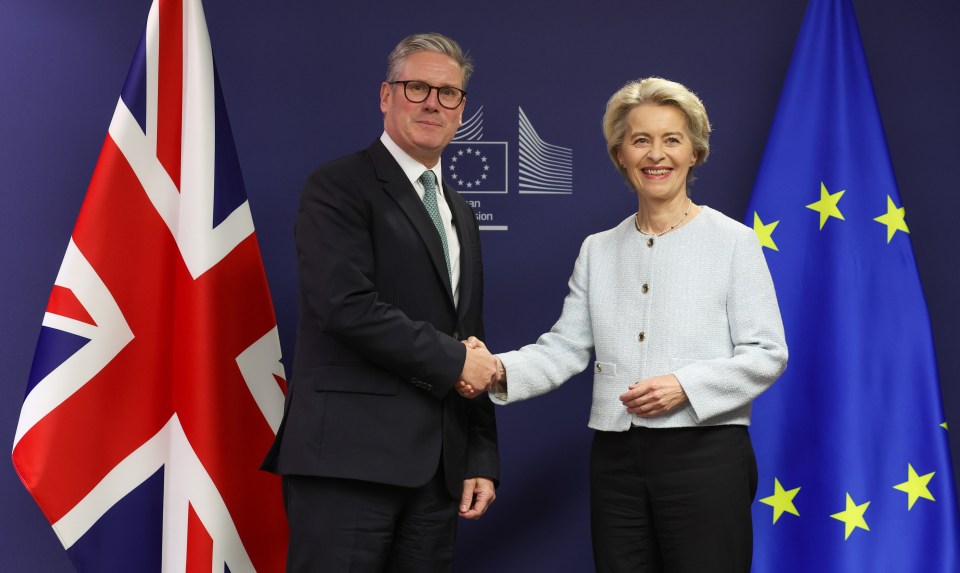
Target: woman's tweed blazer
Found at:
698, 303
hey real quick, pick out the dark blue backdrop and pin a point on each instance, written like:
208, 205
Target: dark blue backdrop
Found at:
301, 82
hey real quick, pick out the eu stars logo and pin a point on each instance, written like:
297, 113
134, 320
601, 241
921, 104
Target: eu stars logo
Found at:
477, 166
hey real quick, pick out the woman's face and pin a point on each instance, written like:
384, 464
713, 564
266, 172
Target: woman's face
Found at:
656, 151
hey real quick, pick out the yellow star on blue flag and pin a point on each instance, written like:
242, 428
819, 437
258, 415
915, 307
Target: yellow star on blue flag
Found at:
893, 219
827, 206
852, 517
782, 500
765, 232
916, 486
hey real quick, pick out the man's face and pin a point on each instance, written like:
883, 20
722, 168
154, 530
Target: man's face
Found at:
422, 129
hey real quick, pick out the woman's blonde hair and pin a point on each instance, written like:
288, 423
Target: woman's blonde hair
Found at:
656, 91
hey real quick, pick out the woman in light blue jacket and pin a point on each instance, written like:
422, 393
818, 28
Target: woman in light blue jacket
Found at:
677, 304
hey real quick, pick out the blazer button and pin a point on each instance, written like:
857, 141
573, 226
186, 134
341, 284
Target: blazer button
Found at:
641, 337
456, 334
599, 367
644, 289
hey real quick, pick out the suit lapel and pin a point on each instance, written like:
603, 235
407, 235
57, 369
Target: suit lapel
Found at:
396, 184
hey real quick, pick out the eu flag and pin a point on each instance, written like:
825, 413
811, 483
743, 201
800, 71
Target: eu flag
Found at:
855, 470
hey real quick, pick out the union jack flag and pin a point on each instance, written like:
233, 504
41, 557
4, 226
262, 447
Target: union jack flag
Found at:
157, 387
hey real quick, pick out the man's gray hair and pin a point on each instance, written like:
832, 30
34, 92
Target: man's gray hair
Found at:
429, 42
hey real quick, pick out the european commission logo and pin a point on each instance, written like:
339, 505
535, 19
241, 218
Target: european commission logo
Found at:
477, 166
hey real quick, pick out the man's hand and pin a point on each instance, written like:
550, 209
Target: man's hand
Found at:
654, 396
478, 494
479, 370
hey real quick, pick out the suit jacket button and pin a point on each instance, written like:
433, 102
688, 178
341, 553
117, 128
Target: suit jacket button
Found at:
456, 334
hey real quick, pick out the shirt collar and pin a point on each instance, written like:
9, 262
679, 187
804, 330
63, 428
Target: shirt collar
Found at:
412, 168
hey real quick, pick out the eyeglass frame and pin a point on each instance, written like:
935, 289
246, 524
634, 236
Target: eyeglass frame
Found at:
463, 94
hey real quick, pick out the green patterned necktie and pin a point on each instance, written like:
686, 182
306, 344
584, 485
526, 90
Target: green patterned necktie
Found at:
429, 181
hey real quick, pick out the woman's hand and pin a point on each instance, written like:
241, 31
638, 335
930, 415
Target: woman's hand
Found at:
654, 396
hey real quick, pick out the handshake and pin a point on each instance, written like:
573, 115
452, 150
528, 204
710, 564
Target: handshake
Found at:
481, 370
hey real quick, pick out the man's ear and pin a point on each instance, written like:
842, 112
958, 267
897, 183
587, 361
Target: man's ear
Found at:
385, 94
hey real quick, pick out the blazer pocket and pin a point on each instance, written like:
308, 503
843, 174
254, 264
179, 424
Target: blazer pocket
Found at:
604, 368
356, 378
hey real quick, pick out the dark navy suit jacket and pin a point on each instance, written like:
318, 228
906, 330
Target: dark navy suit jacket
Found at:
378, 346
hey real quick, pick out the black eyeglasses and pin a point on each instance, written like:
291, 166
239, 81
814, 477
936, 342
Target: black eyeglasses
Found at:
418, 92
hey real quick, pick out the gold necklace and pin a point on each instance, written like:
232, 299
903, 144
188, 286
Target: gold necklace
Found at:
636, 222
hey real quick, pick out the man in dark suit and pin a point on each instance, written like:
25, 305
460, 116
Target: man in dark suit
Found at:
378, 451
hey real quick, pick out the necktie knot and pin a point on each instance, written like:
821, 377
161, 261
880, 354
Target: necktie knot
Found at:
429, 180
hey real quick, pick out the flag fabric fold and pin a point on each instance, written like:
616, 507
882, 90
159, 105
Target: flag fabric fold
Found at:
855, 471
156, 386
